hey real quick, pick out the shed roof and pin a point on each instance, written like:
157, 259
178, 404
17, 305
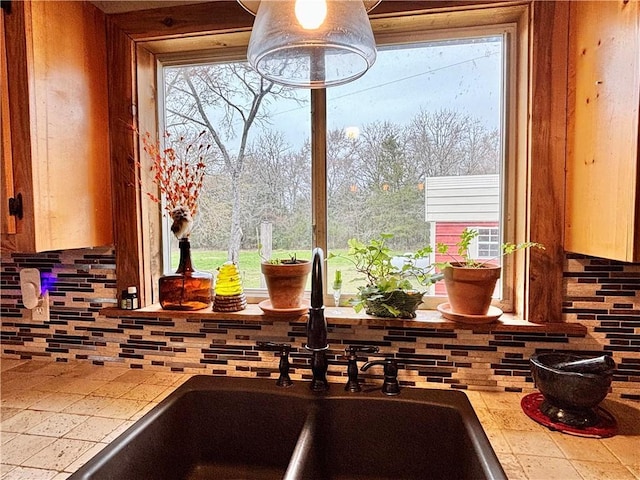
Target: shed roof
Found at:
467, 198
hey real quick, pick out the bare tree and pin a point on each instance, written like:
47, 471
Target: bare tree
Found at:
345, 199
481, 149
434, 138
214, 211
342, 161
382, 156
369, 178
391, 162
226, 100
447, 142
277, 187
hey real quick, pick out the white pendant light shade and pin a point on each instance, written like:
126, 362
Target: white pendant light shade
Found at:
311, 43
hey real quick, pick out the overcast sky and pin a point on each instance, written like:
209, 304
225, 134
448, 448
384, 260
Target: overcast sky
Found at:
466, 78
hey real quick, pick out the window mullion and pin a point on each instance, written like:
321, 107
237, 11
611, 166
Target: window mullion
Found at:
319, 167
319, 171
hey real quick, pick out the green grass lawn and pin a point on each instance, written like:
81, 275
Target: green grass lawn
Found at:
249, 264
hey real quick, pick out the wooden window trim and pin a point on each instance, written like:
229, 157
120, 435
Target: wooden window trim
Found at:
545, 110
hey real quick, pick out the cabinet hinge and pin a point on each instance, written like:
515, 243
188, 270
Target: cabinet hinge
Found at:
15, 206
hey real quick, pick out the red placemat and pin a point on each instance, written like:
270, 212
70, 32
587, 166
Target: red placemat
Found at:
606, 426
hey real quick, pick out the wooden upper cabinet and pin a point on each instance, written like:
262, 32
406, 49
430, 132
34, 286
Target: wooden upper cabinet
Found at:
603, 163
58, 123
8, 221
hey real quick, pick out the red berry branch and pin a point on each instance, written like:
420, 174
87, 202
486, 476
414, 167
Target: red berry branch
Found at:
178, 176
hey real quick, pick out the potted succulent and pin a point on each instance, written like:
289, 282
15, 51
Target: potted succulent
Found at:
470, 282
391, 290
286, 279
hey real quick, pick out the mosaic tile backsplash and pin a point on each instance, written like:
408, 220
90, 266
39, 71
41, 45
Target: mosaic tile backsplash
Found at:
602, 295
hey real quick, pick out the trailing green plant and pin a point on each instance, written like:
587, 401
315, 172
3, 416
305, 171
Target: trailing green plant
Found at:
465, 259
374, 261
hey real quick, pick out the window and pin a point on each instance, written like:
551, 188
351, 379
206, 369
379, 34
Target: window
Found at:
256, 196
430, 107
487, 243
401, 34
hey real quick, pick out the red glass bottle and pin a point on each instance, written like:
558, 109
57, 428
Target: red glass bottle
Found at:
187, 289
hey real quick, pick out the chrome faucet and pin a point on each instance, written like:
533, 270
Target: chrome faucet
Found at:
317, 327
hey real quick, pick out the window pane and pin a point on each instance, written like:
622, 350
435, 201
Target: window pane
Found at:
488, 243
258, 177
415, 147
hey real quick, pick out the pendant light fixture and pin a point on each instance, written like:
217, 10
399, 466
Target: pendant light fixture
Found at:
311, 43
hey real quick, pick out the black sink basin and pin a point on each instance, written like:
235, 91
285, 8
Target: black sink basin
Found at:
233, 428
375, 438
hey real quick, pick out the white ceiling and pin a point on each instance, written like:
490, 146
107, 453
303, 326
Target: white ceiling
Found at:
120, 6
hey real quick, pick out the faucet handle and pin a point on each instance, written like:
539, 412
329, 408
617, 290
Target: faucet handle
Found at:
390, 386
273, 346
351, 352
284, 349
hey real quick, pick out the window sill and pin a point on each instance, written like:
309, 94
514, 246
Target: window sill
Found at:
426, 319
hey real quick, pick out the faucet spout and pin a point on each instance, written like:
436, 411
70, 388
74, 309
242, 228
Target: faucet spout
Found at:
317, 327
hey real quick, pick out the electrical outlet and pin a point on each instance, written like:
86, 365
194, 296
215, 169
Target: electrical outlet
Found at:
41, 312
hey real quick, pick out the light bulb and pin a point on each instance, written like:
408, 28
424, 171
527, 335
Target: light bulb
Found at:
311, 13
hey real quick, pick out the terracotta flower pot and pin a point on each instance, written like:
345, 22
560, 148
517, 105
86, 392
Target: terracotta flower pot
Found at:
286, 282
470, 289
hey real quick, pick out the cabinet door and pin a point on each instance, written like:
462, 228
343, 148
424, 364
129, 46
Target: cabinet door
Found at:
59, 125
8, 221
603, 195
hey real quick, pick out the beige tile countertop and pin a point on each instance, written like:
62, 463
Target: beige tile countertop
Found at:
56, 416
